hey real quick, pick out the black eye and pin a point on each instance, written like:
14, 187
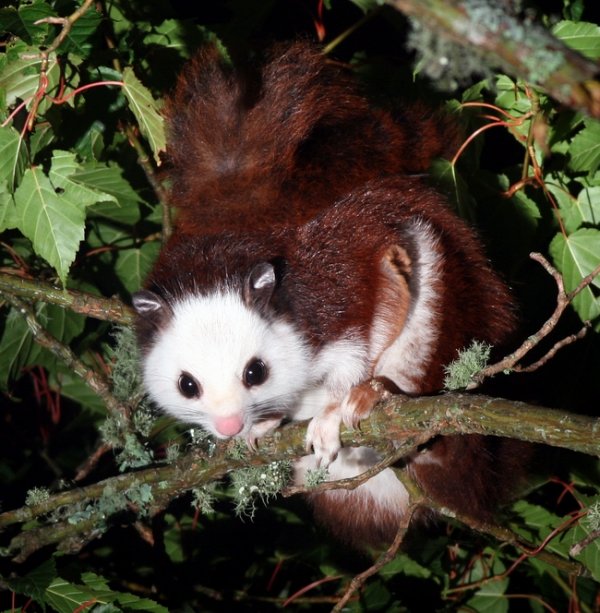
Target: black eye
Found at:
188, 386
255, 372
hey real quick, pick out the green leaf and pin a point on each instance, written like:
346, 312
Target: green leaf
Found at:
21, 21
109, 180
66, 597
8, 211
172, 34
581, 36
91, 144
585, 148
20, 77
35, 583
145, 109
16, 346
404, 564
575, 257
133, 265
590, 555
54, 223
63, 175
13, 156
78, 38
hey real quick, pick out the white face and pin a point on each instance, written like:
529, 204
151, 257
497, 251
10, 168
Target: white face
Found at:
221, 365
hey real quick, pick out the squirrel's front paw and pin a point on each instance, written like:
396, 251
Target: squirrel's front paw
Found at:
359, 402
323, 436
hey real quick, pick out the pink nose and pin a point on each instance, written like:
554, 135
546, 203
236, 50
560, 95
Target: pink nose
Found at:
229, 426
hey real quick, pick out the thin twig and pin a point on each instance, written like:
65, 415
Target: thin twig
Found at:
90, 305
563, 299
387, 556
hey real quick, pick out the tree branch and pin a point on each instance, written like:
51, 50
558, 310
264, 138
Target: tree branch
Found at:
408, 421
106, 309
521, 48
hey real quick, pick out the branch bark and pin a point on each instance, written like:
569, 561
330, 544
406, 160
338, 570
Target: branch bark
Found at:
523, 49
408, 421
106, 309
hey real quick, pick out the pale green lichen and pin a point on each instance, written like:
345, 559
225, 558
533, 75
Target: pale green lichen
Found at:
36, 495
469, 362
204, 498
315, 476
258, 483
592, 519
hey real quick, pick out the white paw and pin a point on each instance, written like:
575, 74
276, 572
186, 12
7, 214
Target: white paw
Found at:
323, 435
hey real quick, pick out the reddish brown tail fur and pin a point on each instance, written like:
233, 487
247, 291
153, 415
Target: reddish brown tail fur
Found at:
283, 144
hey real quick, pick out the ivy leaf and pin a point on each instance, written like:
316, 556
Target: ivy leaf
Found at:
585, 148
54, 223
575, 257
13, 156
581, 36
145, 109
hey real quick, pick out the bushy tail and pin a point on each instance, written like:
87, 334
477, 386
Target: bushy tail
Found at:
278, 148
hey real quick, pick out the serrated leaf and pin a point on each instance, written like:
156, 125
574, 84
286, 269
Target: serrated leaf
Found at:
133, 265
570, 211
145, 109
17, 348
588, 202
66, 597
20, 77
16, 345
129, 601
110, 180
63, 174
576, 256
91, 144
585, 148
78, 37
54, 223
22, 21
581, 36
8, 211
35, 583
13, 156
171, 34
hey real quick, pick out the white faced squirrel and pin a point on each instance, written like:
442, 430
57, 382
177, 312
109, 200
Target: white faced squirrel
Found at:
306, 261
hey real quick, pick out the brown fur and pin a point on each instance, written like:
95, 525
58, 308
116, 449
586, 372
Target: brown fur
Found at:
277, 147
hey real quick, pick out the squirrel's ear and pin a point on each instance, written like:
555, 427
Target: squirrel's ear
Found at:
150, 306
259, 286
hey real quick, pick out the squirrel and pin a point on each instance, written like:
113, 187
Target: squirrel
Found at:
307, 261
